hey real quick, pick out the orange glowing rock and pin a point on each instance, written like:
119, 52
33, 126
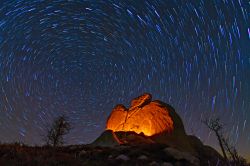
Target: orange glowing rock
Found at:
144, 116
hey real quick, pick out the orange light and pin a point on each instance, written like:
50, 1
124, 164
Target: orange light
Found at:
150, 119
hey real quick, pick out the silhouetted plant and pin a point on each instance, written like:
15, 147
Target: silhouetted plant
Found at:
55, 134
216, 126
234, 158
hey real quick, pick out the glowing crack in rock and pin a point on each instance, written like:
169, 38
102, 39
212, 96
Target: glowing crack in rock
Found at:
144, 116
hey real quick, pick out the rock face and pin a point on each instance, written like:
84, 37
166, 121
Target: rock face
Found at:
149, 122
144, 116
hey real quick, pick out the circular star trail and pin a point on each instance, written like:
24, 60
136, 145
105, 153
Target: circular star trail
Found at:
80, 58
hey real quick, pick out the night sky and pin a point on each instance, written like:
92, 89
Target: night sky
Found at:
82, 57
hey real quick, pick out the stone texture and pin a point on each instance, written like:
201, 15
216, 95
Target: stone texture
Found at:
142, 157
166, 164
154, 163
178, 155
107, 138
144, 116
141, 100
148, 123
122, 157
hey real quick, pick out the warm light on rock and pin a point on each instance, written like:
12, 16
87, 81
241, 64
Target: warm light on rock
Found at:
144, 116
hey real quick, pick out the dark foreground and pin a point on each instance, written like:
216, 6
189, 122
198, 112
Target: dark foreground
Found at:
152, 154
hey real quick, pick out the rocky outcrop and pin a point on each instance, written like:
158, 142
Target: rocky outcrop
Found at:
145, 116
155, 122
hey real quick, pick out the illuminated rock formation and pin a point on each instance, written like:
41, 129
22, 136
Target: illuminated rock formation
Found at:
144, 116
154, 123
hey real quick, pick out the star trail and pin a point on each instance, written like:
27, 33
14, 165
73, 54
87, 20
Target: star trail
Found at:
80, 58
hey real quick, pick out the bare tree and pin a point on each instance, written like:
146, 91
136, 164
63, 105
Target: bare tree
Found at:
55, 134
226, 147
216, 126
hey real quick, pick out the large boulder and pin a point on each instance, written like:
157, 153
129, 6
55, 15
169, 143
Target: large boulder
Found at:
155, 122
145, 116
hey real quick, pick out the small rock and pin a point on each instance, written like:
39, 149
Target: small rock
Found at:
153, 163
166, 164
142, 157
82, 153
122, 157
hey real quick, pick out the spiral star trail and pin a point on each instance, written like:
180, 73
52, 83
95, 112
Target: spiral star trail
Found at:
80, 58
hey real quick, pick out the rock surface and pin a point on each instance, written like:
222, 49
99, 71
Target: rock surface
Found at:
122, 157
142, 157
81, 155
141, 100
107, 138
144, 116
149, 122
166, 164
178, 155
